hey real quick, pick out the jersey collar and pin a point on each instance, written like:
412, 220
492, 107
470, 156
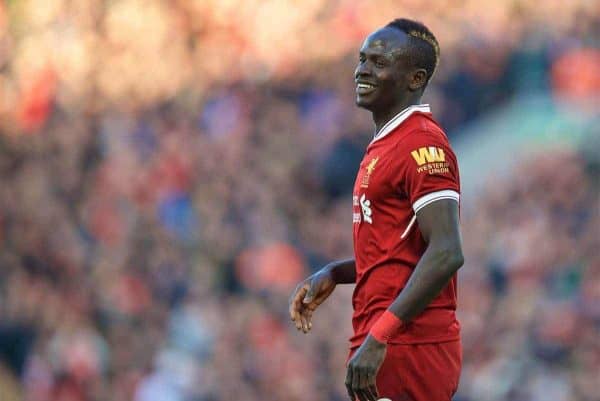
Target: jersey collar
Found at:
399, 118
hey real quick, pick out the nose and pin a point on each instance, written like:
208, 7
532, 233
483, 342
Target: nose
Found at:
362, 70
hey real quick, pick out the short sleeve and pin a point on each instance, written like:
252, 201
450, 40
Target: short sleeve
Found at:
430, 170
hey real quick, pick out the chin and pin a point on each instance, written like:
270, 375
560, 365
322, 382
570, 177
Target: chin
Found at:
363, 103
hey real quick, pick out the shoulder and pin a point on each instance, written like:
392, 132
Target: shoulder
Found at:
424, 140
422, 129
420, 133
423, 144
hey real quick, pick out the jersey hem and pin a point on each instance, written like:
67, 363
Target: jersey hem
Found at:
437, 340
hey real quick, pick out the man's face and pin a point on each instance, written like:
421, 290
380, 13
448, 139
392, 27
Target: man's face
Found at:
383, 74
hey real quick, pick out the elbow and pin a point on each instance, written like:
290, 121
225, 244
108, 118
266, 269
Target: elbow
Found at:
458, 259
452, 259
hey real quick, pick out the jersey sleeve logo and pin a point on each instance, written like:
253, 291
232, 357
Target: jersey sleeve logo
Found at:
431, 159
429, 154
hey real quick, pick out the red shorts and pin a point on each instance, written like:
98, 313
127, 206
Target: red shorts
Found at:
420, 372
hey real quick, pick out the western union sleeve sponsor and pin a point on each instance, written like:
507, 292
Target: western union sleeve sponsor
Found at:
429, 154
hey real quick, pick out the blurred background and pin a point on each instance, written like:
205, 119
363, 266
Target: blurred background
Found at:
171, 169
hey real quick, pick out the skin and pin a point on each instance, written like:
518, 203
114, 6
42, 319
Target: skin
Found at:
398, 85
383, 62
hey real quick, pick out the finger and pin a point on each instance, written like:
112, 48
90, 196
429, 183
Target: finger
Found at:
305, 320
348, 382
373, 389
291, 308
296, 303
370, 389
298, 319
298, 297
355, 379
359, 384
307, 315
363, 386
304, 323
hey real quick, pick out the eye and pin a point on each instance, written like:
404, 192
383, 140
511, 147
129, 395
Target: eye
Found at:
379, 63
362, 58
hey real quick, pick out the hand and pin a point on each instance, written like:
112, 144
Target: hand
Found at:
362, 370
309, 294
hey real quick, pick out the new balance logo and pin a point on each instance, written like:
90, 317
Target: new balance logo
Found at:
429, 154
365, 205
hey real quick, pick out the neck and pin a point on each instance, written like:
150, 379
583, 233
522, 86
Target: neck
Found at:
382, 117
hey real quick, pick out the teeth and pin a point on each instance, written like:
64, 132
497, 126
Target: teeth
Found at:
365, 86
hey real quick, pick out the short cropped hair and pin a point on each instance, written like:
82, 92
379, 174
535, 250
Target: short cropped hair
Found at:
424, 47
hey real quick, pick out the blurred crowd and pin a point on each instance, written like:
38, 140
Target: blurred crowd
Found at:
171, 170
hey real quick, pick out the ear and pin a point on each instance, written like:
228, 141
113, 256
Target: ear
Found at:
418, 79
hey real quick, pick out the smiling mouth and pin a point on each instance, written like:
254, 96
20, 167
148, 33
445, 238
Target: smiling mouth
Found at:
364, 88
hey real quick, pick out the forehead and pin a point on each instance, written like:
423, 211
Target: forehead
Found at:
384, 40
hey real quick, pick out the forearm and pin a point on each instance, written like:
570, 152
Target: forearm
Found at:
431, 275
342, 271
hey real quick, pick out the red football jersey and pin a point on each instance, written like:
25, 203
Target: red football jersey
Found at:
408, 165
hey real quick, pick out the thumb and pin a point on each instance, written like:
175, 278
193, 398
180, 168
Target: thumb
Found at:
310, 294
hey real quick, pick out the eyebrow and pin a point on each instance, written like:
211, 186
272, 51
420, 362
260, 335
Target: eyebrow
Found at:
388, 54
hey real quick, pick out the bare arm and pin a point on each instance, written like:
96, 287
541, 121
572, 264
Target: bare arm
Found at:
315, 289
342, 271
439, 225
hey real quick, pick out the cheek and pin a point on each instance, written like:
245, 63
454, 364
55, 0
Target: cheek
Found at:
389, 83
396, 82
405, 79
